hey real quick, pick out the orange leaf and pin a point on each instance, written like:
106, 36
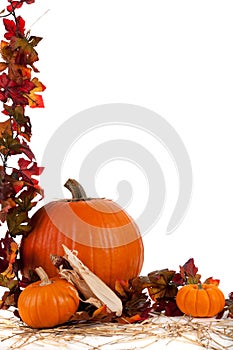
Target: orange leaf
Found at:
211, 280
100, 311
5, 127
11, 256
121, 287
132, 319
34, 99
3, 66
18, 185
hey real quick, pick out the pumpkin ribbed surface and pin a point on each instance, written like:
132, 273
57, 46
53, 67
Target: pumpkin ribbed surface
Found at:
44, 306
205, 300
107, 239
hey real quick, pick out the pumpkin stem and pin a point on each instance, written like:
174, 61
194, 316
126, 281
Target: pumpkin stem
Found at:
43, 276
199, 286
76, 189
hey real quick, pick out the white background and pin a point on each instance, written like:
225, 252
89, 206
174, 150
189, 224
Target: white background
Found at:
173, 57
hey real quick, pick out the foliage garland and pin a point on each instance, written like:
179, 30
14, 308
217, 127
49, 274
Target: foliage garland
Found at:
19, 89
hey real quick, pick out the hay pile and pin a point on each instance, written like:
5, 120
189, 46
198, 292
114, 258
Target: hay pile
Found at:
205, 333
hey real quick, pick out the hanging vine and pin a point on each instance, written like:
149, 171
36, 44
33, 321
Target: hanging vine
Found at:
19, 171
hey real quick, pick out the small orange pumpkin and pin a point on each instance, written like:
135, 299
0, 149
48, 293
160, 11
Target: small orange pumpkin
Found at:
48, 302
107, 239
200, 300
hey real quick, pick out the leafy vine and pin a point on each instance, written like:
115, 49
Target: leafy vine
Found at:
19, 171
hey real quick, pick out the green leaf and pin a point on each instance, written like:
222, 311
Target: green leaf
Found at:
18, 222
7, 283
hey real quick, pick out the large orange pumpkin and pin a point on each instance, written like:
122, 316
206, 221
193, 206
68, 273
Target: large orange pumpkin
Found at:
107, 239
200, 300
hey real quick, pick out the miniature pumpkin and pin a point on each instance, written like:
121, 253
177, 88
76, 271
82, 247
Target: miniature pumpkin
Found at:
48, 302
200, 300
107, 239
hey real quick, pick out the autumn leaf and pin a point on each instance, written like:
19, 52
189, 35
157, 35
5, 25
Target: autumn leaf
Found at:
18, 222
19, 186
25, 53
17, 112
9, 89
161, 284
13, 29
28, 169
17, 4
134, 299
14, 5
6, 52
5, 127
189, 269
7, 205
11, 146
7, 283
100, 312
137, 303
16, 72
3, 66
122, 288
34, 99
128, 320
8, 253
189, 272
166, 306
5, 185
211, 280
20, 123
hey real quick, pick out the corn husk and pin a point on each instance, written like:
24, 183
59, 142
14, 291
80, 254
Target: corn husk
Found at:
90, 285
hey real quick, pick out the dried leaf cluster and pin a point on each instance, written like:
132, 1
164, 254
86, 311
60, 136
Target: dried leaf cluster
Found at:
134, 300
19, 89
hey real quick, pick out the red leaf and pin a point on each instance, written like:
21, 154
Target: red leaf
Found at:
11, 90
28, 169
13, 29
189, 272
10, 28
29, 1
178, 279
189, 268
17, 4
167, 306
14, 5
26, 150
